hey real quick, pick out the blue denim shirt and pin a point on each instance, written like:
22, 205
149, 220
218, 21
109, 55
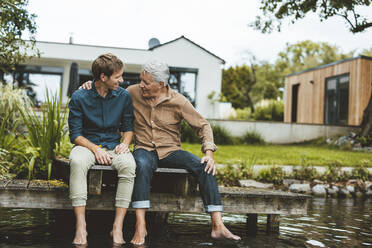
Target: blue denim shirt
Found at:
99, 119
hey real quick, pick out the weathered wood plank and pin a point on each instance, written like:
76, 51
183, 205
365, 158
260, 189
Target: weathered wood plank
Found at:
17, 184
237, 203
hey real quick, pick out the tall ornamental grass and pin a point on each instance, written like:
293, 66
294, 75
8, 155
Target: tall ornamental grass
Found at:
45, 133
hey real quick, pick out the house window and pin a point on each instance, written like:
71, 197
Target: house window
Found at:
183, 80
336, 106
129, 78
36, 80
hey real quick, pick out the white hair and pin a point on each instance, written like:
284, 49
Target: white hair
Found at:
158, 70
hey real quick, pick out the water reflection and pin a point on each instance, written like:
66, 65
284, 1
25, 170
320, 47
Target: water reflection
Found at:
329, 223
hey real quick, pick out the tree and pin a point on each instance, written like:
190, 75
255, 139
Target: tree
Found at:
15, 22
237, 83
274, 12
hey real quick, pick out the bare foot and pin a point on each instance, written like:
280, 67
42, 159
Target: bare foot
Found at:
80, 236
140, 235
117, 237
221, 232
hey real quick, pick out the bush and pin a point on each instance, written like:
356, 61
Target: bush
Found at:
222, 136
361, 172
274, 111
44, 135
188, 134
230, 174
242, 114
251, 138
306, 171
273, 174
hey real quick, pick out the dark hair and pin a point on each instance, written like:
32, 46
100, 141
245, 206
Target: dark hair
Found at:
106, 64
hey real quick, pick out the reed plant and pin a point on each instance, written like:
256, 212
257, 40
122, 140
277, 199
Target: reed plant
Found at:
45, 133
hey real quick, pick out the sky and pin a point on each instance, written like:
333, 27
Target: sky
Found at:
219, 26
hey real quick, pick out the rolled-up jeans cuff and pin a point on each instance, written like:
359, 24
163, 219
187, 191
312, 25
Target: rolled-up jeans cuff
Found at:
141, 204
122, 204
214, 208
78, 202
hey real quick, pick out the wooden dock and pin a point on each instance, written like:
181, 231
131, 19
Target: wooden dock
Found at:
45, 195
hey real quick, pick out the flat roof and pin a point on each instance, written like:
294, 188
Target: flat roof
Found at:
330, 64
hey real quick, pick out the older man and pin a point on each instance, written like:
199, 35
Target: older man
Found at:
158, 112
98, 119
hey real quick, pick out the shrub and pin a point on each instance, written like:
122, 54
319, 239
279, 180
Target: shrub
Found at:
274, 111
222, 136
252, 137
306, 171
333, 172
273, 174
44, 134
188, 134
360, 171
230, 174
242, 114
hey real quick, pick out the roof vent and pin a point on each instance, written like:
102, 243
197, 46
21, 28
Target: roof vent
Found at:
153, 42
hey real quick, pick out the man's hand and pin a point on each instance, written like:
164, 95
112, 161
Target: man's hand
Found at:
86, 86
102, 156
121, 148
210, 167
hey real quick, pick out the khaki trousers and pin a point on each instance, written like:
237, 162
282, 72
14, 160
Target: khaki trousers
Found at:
81, 159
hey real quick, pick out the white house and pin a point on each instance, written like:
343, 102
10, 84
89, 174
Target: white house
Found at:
195, 72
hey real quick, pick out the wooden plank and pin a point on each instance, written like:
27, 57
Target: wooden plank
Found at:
38, 185
260, 202
3, 183
17, 184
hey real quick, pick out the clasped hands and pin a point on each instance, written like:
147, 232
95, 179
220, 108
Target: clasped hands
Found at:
103, 157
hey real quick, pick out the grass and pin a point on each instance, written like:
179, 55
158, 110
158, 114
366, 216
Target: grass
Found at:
316, 155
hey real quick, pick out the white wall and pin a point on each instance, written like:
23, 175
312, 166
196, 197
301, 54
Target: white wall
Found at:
179, 53
282, 133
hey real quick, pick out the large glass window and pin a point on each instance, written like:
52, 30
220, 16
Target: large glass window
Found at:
183, 80
129, 78
36, 80
336, 106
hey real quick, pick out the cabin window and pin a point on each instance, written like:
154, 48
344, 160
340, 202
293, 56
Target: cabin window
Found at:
36, 80
337, 100
183, 80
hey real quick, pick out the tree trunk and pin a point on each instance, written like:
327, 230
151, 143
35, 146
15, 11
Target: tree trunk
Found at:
367, 119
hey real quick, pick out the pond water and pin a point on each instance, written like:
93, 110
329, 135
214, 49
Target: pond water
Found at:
329, 223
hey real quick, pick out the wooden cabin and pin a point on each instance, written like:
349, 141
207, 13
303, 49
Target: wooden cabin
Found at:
331, 94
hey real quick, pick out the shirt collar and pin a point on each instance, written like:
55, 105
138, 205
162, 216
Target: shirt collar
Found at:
111, 93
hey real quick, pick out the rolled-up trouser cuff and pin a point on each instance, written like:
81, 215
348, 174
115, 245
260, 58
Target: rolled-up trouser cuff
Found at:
214, 208
78, 202
122, 204
141, 204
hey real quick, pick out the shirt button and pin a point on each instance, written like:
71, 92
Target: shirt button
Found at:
153, 108
152, 121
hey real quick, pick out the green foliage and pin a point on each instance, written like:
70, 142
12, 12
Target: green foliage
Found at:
15, 22
44, 135
230, 174
305, 171
274, 111
241, 114
252, 138
333, 172
274, 174
275, 12
361, 172
64, 148
188, 134
222, 136
237, 83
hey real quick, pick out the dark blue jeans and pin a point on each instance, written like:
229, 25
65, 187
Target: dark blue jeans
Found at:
148, 161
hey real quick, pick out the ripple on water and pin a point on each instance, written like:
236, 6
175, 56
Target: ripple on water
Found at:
315, 243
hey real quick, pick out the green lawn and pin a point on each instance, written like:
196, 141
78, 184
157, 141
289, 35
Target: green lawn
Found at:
284, 154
